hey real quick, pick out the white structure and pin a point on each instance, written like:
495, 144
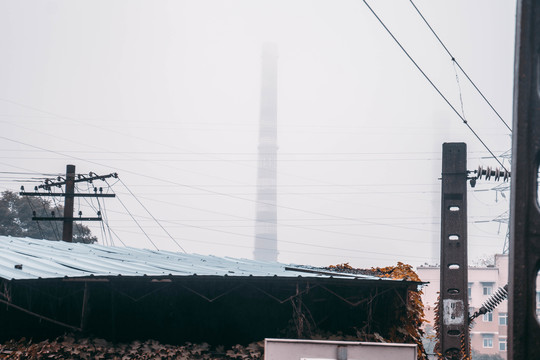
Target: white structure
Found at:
266, 211
288, 349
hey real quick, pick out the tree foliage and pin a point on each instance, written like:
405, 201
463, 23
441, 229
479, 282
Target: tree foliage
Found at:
71, 347
16, 219
408, 328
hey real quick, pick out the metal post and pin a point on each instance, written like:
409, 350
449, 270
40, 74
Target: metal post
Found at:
67, 233
84, 307
523, 327
454, 327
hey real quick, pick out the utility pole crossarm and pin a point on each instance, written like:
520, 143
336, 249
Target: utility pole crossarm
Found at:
52, 218
80, 178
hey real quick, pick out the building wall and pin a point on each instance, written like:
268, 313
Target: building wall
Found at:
489, 333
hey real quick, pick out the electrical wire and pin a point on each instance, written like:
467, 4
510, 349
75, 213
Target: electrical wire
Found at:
78, 226
123, 133
149, 213
139, 225
26, 173
287, 242
385, 255
189, 186
115, 234
285, 225
37, 222
105, 215
105, 220
359, 221
433, 85
459, 66
304, 228
460, 93
199, 188
57, 211
93, 207
309, 193
101, 225
53, 228
225, 153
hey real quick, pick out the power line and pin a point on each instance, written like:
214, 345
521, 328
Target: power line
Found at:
305, 211
26, 173
185, 185
459, 66
460, 93
237, 161
123, 133
105, 217
306, 228
343, 218
149, 213
139, 225
290, 185
433, 85
302, 252
235, 153
106, 221
37, 222
102, 226
53, 226
307, 193
363, 221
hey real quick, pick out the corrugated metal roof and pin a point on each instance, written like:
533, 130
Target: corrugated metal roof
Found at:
24, 258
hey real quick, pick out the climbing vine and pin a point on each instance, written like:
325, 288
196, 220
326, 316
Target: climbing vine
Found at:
409, 325
414, 318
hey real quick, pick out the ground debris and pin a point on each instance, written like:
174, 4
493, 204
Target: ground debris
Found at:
69, 347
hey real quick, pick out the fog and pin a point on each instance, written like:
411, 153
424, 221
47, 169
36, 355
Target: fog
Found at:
167, 94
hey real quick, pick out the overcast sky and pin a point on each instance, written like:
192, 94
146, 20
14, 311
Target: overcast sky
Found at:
166, 94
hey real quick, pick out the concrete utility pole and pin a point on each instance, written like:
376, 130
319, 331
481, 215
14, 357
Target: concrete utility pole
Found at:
266, 216
523, 324
454, 307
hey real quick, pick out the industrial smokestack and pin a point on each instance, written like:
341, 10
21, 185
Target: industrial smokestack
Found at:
266, 216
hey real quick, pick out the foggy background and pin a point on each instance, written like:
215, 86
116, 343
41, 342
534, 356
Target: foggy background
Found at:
166, 94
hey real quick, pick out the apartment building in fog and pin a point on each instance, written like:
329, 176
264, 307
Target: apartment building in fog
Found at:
489, 332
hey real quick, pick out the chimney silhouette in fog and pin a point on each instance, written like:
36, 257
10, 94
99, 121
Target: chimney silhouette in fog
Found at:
266, 211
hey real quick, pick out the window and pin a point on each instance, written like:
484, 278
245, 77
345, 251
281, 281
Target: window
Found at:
487, 340
488, 317
487, 288
538, 304
503, 319
469, 291
502, 344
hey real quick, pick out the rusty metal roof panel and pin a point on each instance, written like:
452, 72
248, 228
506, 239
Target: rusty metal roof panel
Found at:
25, 258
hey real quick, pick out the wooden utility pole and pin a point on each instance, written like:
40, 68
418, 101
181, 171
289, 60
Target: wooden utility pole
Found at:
69, 196
67, 233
